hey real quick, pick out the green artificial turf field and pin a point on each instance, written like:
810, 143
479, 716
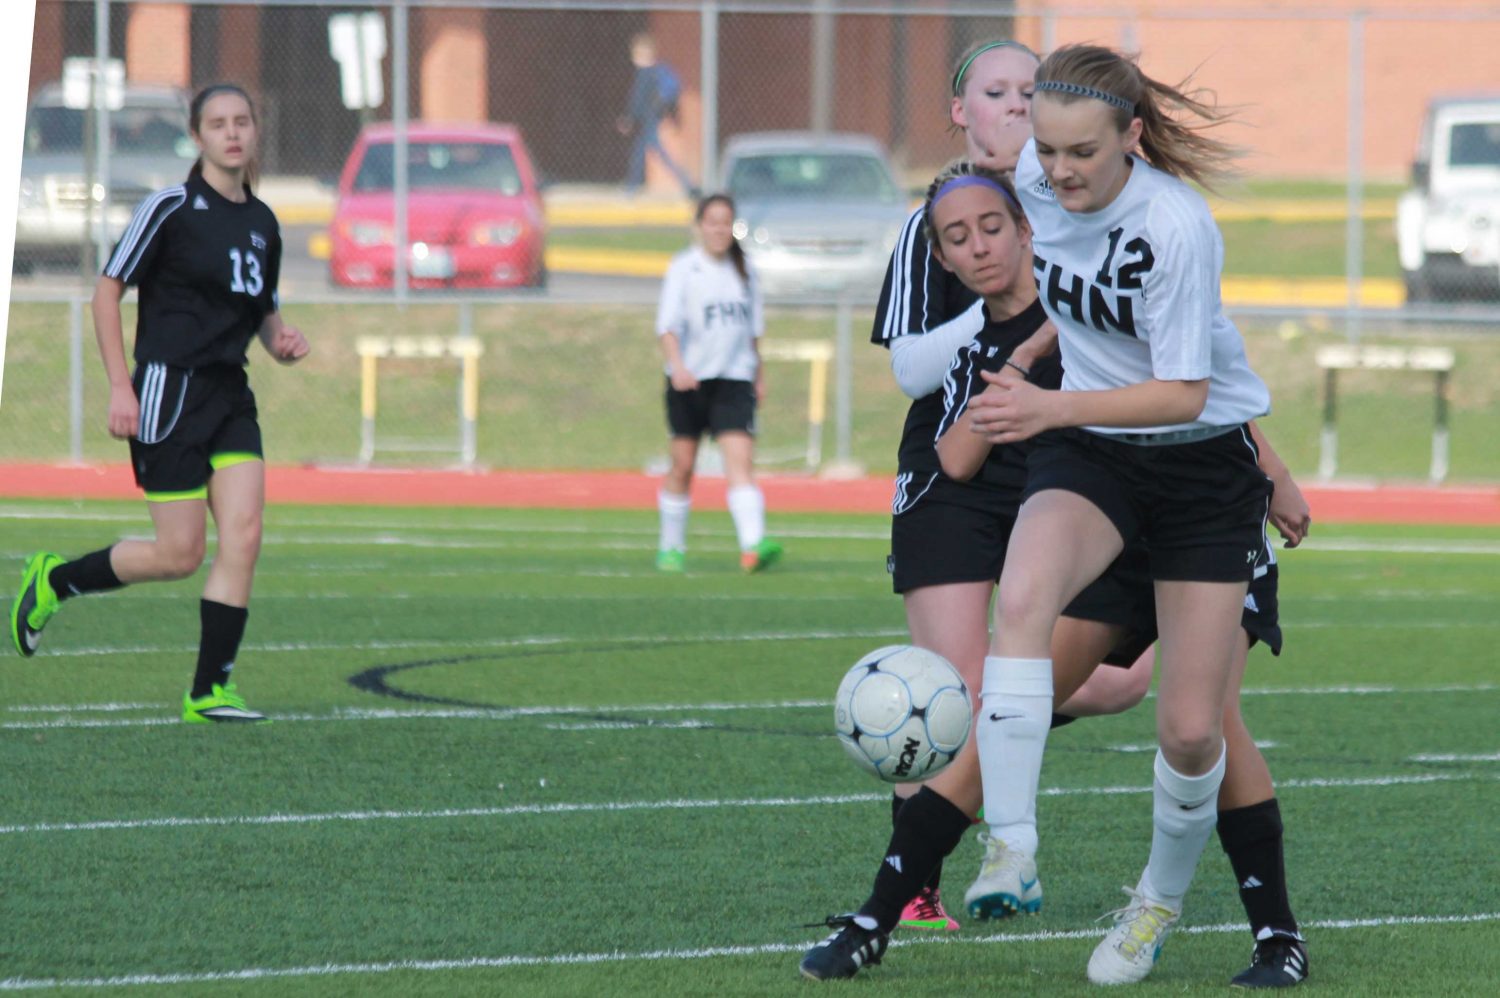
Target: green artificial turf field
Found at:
509, 758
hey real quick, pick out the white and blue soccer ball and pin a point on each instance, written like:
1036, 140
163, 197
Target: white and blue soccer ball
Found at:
902, 713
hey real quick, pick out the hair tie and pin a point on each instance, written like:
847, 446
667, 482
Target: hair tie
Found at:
958, 77
1079, 90
972, 180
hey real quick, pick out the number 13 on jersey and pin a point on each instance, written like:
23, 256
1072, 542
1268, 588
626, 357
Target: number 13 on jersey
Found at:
245, 276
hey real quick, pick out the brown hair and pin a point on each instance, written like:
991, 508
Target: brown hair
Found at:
964, 168
736, 251
195, 119
1172, 146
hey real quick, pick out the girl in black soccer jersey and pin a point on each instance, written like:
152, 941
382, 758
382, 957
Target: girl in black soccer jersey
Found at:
1151, 443
205, 255
981, 235
708, 326
945, 551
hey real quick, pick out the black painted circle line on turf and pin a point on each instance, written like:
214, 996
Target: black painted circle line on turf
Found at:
376, 680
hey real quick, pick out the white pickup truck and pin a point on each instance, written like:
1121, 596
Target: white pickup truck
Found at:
1448, 224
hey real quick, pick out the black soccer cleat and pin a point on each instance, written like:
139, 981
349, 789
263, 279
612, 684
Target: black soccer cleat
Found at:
850, 947
1280, 961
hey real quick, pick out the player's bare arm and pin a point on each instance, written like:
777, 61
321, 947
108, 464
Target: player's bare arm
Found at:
1021, 410
283, 341
124, 407
1290, 514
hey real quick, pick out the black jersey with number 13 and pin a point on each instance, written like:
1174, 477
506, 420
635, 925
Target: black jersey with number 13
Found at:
207, 269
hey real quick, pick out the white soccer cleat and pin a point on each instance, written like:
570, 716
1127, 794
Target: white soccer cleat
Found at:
1129, 951
1007, 883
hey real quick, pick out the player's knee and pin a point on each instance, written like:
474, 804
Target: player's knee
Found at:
181, 559
1019, 608
1134, 685
1190, 744
241, 537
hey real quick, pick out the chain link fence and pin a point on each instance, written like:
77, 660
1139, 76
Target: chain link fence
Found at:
1370, 209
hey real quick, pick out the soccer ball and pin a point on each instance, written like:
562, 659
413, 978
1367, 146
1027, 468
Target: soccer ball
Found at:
902, 713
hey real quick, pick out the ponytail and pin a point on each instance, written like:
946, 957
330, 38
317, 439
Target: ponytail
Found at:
1180, 148
736, 251
195, 119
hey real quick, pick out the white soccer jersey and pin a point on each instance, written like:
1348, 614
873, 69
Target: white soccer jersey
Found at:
715, 315
1134, 292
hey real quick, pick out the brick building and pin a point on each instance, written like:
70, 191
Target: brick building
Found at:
562, 75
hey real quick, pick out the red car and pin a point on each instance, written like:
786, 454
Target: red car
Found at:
474, 217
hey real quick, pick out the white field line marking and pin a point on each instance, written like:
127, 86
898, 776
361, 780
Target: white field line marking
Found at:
1276, 691
64, 708
1490, 757
1143, 747
652, 956
392, 536
511, 713
448, 645
1430, 546
1424, 546
601, 807
626, 725
128, 596
278, 521
452, 713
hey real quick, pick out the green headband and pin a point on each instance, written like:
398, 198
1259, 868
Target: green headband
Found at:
958, 77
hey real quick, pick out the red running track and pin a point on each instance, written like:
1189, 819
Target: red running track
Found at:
1475, 506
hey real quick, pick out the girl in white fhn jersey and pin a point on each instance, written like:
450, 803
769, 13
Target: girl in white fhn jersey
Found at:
206, 255
1150, 442
707, 324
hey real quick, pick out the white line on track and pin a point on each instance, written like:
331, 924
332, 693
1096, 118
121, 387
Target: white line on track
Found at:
603, 807
653, 956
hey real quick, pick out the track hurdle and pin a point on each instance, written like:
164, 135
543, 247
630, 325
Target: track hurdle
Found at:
1333, 359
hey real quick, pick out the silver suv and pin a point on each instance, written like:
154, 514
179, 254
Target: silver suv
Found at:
1448, 225
151, 149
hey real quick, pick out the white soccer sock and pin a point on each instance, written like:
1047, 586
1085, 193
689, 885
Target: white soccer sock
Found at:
674, 517
1016, 711
1184, 812
748, 508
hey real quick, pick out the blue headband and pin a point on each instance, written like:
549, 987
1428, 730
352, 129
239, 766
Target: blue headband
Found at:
1079, 90
972, 180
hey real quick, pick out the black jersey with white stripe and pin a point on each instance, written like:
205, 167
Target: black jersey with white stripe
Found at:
918, 294
207, 270
1004, 470
1000, 480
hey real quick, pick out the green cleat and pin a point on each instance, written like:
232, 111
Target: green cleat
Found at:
671, 560
222, 706
762, 556
35, 603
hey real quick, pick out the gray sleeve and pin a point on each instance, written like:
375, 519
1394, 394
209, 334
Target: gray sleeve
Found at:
921, 362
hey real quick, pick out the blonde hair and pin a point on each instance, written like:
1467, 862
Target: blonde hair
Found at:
961, 66
1169, 144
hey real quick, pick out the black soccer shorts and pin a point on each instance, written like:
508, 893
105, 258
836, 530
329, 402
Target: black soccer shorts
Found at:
718, 405
1200, 507
192, 423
